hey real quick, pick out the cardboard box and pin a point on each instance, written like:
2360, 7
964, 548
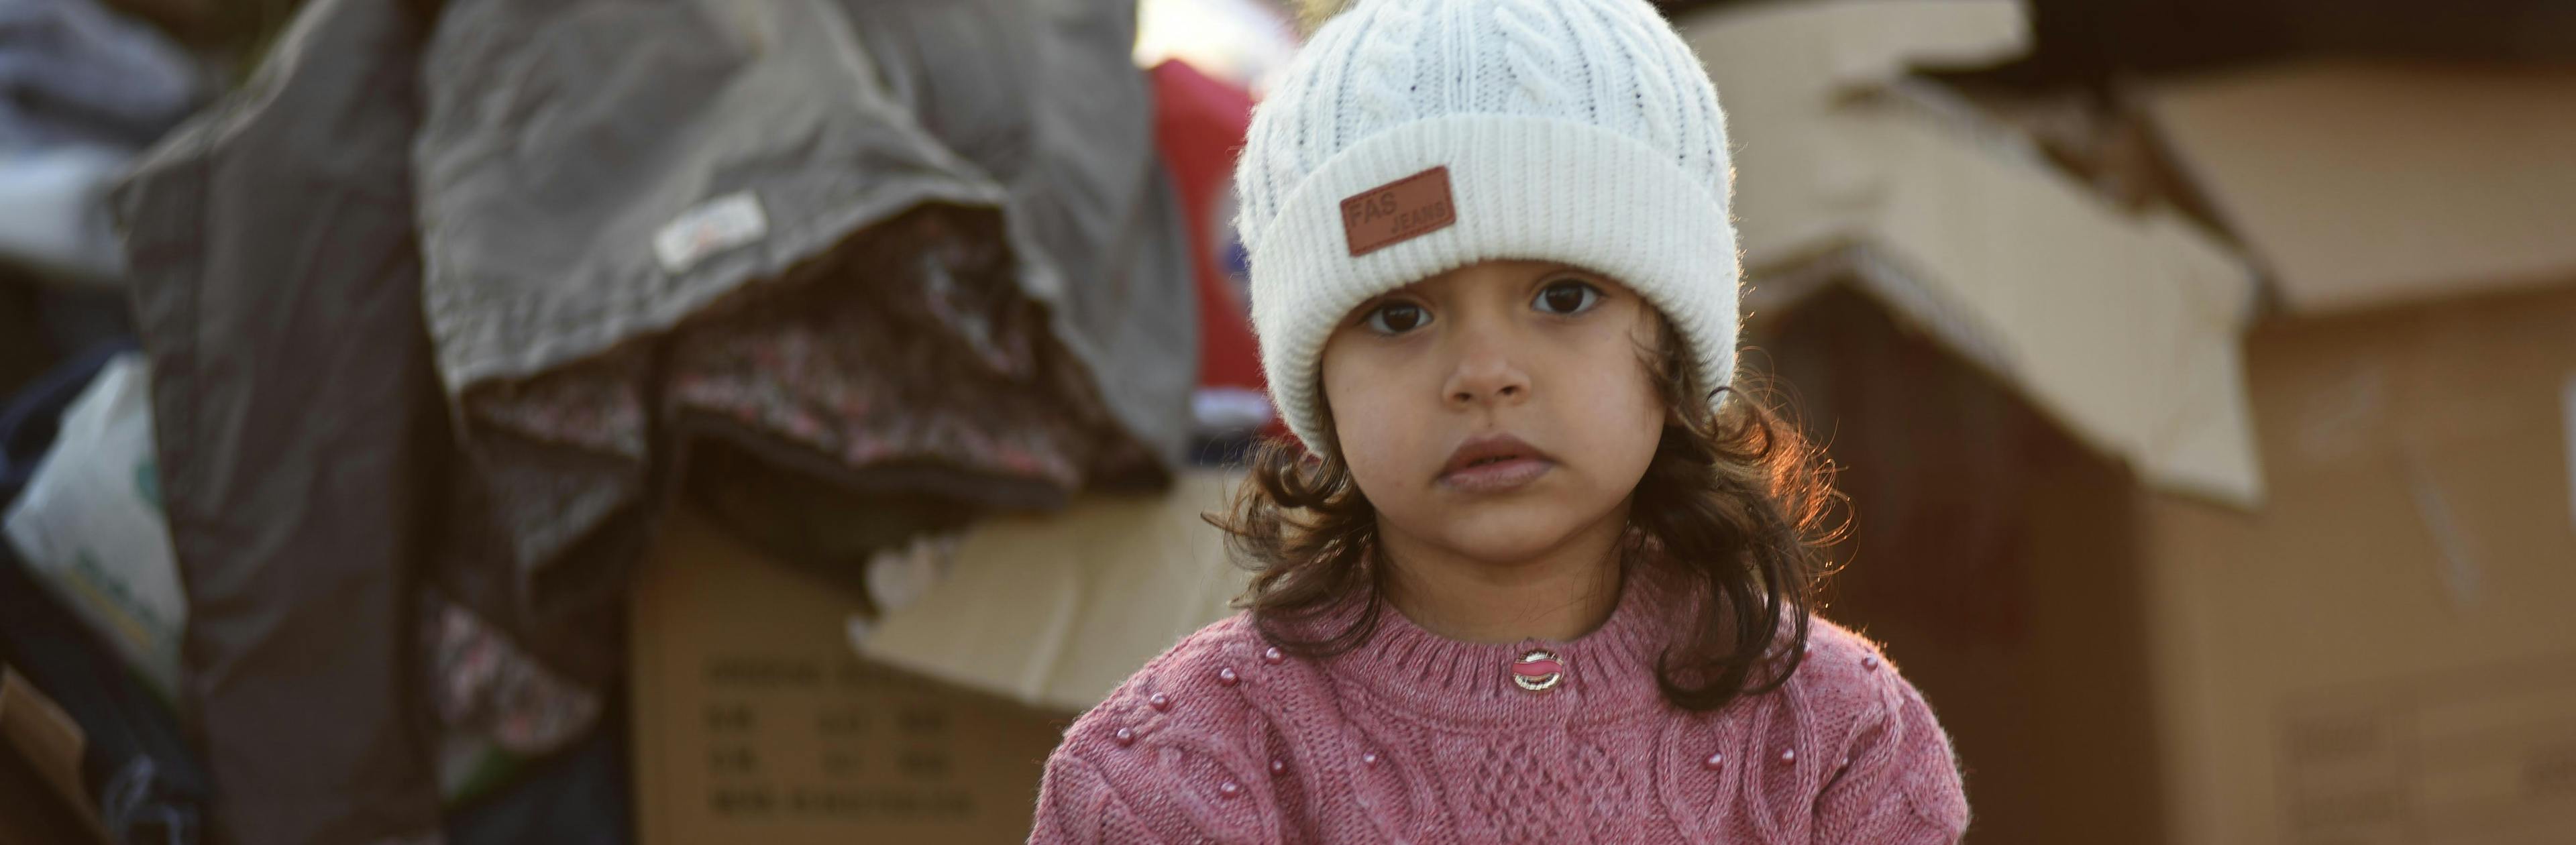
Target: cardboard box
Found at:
2383, 652
2119, 324
42, 800
2386, 652
756, 721
2169, 571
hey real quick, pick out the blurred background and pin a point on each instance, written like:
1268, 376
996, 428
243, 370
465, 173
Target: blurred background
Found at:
709, 421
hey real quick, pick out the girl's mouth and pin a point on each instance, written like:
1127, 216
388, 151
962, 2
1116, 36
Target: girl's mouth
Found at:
1494, 463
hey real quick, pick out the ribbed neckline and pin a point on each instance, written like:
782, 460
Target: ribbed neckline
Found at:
1609, 672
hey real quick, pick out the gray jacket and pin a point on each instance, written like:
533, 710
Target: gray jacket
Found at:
594, 175
277, 291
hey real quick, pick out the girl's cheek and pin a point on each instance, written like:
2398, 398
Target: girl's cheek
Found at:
1369, 416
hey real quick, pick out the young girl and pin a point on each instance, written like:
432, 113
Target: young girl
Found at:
1537, 575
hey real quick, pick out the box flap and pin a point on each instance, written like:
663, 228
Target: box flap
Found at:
2362, 185
1057, 610
2124, 327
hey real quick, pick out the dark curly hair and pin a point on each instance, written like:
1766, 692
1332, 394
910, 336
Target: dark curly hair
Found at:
1735, 504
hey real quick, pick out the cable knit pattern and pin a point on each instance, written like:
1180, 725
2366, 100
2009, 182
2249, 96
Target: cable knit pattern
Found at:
1580, 131
1420, 739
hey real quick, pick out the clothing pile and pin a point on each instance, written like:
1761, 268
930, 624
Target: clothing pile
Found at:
439, 312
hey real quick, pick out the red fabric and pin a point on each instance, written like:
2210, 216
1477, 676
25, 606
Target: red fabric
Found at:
1199, 123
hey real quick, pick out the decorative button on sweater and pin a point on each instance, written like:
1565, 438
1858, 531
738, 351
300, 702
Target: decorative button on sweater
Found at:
1538, 671
1416, 738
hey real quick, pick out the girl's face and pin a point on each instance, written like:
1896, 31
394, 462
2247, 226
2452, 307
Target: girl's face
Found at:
1497, 410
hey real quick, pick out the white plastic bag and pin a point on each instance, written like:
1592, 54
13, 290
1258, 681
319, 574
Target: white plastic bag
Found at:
90, 525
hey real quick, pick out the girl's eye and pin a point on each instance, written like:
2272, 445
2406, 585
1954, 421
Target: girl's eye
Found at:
1397, 318
1567, 298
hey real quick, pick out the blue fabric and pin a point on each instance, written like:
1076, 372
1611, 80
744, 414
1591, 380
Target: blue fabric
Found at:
33, 417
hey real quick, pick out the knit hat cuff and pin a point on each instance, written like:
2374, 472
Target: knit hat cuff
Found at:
1527, 188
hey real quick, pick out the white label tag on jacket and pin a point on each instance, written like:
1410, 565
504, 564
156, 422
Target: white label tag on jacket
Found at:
714, 226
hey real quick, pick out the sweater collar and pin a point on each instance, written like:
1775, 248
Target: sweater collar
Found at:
1607, 674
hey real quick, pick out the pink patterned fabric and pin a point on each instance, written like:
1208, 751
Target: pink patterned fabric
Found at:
1416, 738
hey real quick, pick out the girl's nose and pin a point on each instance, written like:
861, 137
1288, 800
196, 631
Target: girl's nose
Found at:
1486, 374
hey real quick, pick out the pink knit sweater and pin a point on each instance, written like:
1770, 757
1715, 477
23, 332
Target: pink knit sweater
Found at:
1413, 737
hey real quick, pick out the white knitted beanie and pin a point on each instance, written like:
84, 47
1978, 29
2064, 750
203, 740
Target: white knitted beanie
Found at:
1411, 137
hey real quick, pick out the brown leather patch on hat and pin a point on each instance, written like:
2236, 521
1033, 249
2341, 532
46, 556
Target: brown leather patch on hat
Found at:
1398, 211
